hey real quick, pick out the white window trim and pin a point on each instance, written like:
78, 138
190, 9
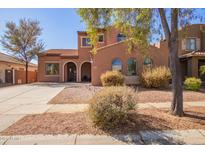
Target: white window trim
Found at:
186, 44
52, 62
81, 42
103, 38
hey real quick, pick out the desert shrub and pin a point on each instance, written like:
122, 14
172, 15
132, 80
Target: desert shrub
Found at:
202, 70
157, 77
110, 107
112, 78
192, 83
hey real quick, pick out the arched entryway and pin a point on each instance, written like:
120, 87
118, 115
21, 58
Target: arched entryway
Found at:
86, 72
70, 72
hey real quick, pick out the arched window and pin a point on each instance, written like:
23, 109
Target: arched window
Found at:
121, 37
148, 62
131, 65
117, 65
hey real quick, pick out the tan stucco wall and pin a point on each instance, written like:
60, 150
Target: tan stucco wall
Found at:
103, 60
42, 60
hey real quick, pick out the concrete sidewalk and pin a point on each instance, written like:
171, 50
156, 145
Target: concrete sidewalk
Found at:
143, 137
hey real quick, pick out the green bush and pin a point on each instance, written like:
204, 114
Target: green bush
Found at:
192, 83
112, 78
110, 107
202, 70
157, 77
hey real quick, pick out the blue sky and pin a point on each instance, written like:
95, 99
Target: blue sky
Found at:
60, 26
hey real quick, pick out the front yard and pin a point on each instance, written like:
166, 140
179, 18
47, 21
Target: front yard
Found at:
79, 123
57, 117
82, 94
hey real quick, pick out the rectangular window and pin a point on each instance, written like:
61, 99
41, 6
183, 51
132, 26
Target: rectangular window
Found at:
190, 44
85, 42
52, 69
100, 38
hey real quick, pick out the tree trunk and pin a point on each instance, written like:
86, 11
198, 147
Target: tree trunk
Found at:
26, 72
177, 100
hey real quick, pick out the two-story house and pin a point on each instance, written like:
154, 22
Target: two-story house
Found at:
192, 50
79, 65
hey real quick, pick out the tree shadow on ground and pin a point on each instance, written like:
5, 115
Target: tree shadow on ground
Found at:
169, 89
144, 129
193, 116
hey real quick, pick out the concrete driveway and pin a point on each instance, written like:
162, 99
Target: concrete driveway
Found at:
18, 101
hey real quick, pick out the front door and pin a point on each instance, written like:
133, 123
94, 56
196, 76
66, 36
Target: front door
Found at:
9, 76
71, 76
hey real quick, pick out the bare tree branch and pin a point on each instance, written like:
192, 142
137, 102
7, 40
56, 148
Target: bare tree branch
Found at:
164, 23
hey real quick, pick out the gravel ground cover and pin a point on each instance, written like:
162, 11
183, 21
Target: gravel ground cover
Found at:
82, 94
79, 123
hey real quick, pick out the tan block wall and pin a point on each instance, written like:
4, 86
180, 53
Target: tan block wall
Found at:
6, 65
20, 77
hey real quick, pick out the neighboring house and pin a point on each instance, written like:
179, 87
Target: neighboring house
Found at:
12, 70
192, 50
79, 65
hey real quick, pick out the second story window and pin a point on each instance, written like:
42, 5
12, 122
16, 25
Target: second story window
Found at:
101, 38
85, 42
121, 37
190, 44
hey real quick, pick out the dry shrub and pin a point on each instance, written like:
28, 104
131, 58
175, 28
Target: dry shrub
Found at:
157, 77
112, 78
110, 107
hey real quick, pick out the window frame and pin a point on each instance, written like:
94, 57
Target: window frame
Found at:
120, 62
52, 74
103, 38
188, 44
81, 45
133, 59
121, 36
146, 65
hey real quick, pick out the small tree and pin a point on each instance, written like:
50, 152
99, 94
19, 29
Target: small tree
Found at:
22, 41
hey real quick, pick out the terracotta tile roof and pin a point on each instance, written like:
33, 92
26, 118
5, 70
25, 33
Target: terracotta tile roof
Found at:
110, 45
11, 59
61, 52
193, 54
99, 30
117, 43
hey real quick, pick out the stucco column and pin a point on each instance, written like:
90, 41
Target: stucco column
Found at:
78, 73
62, 72
13, 74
